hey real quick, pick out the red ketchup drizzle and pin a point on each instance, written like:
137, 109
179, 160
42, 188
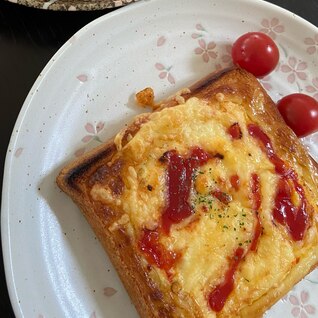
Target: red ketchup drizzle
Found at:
222, 196
278, 163
235, 182
235, 131
179, 181
256, 204
155, 252
285, 212
256, 192
219, 295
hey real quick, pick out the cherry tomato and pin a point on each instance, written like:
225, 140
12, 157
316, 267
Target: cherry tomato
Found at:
255, 52
300, 113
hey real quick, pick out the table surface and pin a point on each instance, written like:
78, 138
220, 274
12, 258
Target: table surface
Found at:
28, 39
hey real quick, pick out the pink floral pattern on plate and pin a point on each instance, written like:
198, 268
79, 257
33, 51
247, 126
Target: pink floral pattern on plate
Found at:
200, 31
312, 44
165, 72
207, 50
272, 27
313, 89
79, 152
300, 306
295, 68
109, 291
161, 41
93, 134
18, 152
93, 131
227, 56
82, 78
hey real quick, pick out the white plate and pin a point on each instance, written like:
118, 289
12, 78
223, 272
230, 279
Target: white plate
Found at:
55, 266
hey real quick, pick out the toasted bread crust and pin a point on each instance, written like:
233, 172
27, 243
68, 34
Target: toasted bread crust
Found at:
148, 298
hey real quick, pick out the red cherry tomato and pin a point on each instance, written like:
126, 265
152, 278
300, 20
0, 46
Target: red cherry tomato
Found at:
300, 113
255, 52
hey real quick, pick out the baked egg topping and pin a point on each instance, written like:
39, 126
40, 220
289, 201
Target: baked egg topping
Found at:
213, 208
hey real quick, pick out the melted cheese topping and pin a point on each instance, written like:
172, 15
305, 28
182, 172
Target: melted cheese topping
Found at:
208, 238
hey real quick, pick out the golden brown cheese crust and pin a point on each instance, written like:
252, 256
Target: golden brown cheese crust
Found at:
99, 181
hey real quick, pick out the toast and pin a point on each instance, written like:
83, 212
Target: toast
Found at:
208, 206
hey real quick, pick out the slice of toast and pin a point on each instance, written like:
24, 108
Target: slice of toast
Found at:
207, 207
